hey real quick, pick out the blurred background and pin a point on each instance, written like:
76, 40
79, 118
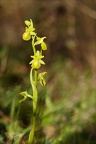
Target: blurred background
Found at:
68, 103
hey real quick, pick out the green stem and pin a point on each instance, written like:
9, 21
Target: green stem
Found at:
34, 104
35, 77
32, 132
34, 50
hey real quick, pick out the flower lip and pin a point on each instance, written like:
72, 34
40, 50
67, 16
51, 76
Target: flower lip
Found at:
26, 36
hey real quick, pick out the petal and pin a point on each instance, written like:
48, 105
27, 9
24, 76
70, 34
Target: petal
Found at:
31, 22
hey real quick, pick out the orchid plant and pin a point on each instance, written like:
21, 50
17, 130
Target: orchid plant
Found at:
35, 76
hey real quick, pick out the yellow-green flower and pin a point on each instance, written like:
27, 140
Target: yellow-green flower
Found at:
41, 41
29, 30
41, 78
36, 62
25, 95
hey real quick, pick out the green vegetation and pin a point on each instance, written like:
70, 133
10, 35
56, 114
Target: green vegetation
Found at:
66, 109
62, 109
